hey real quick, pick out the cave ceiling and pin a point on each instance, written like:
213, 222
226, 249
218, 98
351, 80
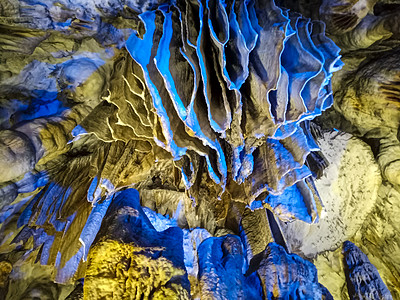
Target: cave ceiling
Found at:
199, 149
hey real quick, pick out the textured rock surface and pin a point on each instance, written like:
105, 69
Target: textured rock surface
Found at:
104, 93
363, 280
28, 281
366, 105
128, 246
206, 108
131, 260
222, 265
349, 192
255, 232
286, 276
379, 238
367, 96
331, 273
5, 270
389, 159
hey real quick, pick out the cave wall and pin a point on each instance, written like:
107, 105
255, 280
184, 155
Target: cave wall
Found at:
199, 149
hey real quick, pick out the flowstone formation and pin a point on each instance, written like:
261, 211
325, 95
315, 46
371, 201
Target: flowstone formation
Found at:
364, 280
366, 106
169, 150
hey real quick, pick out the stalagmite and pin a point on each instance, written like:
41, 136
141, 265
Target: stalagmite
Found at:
178, 149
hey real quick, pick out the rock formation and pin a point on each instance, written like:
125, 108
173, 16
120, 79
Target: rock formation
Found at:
198, 148
363, 279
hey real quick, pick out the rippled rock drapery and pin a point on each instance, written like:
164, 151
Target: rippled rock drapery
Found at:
222, 265
287, 276
225, 90
221, 99
349, 190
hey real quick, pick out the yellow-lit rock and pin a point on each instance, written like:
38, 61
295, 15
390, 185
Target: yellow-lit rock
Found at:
123, 271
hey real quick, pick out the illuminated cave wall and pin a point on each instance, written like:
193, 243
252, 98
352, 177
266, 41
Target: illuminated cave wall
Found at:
199, 149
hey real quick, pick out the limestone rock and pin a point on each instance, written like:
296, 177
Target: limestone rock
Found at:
368, 99
228, 138
131, 260
286, 275
363, 280
349, 192
109, 115
255, 231
389, 159
222, 265
205, 107
192, 238
5, 270
17, 151
330, 266
77, 293
379, 239
119, 97
343, 16
29, 280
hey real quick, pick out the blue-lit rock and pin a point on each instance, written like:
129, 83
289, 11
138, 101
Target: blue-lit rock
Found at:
363, 280
223, 91
221, 99
272, 274
200, 86
286, 276
222, 265
131, 259
206, 108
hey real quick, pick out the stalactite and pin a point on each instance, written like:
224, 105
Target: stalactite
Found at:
207, 108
